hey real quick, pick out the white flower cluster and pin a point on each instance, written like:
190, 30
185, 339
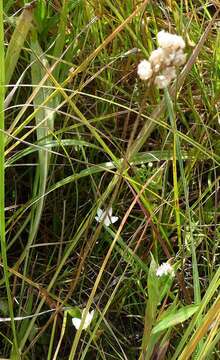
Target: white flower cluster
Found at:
165, 269
162, 63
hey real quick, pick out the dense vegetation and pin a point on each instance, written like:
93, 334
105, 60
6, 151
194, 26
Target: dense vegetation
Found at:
81, 132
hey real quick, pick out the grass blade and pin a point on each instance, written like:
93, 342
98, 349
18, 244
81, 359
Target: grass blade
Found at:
17, 41
15, 353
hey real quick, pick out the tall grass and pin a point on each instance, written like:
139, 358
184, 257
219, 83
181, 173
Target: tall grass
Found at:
14, 342
80, 132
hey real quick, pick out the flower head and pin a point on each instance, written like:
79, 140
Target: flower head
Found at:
157, 58
170, 72
106, 217
77, 322
180, 58
144, 70
165, 269
162, 64
166, 40
161, 81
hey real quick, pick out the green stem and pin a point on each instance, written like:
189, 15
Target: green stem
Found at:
171, 114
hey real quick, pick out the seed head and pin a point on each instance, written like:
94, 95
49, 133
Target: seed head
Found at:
162, 64
166, 40
144, 70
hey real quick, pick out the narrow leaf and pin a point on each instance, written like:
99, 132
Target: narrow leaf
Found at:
17, 41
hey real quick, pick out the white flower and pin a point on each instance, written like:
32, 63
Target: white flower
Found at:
165, 269
77, 322
167, 40
144, 70
161, 81
106, 217
157, 58
163, 61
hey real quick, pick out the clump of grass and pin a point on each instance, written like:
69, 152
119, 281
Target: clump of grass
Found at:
109, 213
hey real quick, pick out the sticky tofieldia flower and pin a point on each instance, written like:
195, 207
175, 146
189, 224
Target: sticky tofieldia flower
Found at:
162, 64
106, 217
77, 322
144, 70
165, 269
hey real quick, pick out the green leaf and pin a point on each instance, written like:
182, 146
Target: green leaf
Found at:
40, 10
16, 43
153, 285
175, 318
74, 312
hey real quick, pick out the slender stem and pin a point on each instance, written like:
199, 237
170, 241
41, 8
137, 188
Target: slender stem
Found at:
15, 353
175, 155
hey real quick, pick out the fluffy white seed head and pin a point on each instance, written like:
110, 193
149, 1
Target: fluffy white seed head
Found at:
163, 61
180, 58
170, 55
161, 81
144, 70
157, 58
167, 40
169, 73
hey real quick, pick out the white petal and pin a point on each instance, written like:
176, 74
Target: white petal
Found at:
88, 318
97, 218
92, 314
76, 322
107, 222
110, 212
99, 212
114, 219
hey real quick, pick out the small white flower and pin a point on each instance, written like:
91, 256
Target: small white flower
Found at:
144, 70
77, 322
165, 269
161, 81
167, 40
106, 217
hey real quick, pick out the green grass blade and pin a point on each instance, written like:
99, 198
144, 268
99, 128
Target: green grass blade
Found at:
15, 353
17, 41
